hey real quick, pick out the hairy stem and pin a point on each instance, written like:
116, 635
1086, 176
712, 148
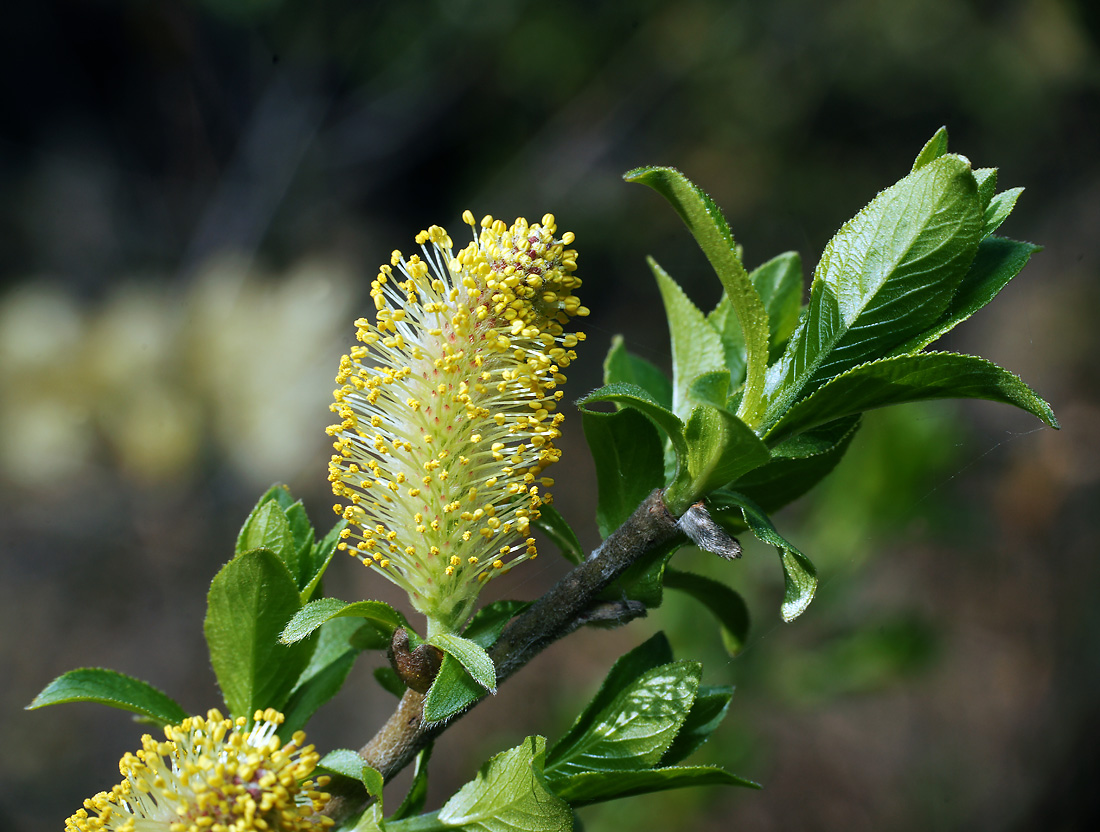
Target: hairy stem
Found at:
555, 614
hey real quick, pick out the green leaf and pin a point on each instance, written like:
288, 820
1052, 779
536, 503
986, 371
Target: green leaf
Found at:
721, 448
348, 763
696, 347
998, 261
999, 208
643, 580
887, 275
509, 795
725, 604
387, 677
797, 465
598, 786
799, 575
911, 378
453, 690
472, 657
987, 185
933, 149
706, 714
636, 728
489, 621
315, 613
621, 366
325, 674
779, 284
650, 654
629, 395
301, 532
250, 600
413, 804
320, 558
109, 687
268, 528
712, 233
554, 526
629, 463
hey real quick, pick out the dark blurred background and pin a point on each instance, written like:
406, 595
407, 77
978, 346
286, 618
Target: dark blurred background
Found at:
195, 195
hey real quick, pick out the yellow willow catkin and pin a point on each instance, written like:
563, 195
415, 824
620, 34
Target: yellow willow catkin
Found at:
212, 775
448, 410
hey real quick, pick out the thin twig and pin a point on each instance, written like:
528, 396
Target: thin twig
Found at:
554, 615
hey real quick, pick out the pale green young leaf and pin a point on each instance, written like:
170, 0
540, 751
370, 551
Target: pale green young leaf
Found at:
712, 233
987, 185
347, 763
888, 274
999, 208
268, 528
325, 674
997, 261
636, 728
910, 378
723, 603
627, 368
471, 656
721, 448
933, 149
799, 575
696, 347
453, 690
629, 459
109, 687
316, 613
301, 532
509, 795
598, 786
250, 600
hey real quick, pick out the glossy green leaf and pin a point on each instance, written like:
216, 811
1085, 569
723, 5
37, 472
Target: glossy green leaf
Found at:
624, 367
250, 600
348, 763
797, 465
706, 714
998, 261
799, 575
723, 602
316, 613
911, 378
509, 795
712, 233
471, 656
320, 558
887, 275
999, 208
636, 728
696, 347
629, 459
933, 149
489, 621
268, 528
413, 804
554, 526
109, 687
650, 654
598, 786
